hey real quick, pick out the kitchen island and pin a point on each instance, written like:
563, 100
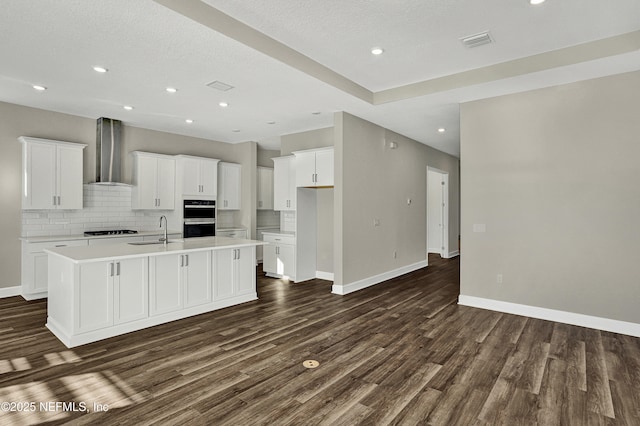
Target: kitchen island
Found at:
97, 292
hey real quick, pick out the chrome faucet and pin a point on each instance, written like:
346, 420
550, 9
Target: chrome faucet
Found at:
164, 239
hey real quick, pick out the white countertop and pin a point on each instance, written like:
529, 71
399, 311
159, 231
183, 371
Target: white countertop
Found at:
98, 253
47, 239
232, 228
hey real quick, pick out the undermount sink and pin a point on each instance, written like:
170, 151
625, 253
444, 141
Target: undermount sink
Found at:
146, 243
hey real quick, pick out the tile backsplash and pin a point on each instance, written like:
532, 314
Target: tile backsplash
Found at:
288, 222
105, 207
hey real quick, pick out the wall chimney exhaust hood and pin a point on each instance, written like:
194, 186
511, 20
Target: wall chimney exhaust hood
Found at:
108, 156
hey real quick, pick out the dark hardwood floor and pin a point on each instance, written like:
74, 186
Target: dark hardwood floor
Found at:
400, 353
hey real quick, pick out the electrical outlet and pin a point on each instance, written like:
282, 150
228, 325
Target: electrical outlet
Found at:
499, 279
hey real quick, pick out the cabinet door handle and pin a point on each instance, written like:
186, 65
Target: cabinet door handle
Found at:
118, 268
186, 258
59, 200
54, 200
111, 269
181, 261
238, 253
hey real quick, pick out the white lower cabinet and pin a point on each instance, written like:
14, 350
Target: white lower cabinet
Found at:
34, 267
234, 272
111, 292
196, 278
279, 258
178, 281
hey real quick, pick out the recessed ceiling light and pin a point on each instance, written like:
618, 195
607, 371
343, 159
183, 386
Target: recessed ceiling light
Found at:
534, 2
39, 88
271, 122
377, 50
128, 107
223, 104
188, 120
235, 130
171, 89
316, 113
441, 130
100, 69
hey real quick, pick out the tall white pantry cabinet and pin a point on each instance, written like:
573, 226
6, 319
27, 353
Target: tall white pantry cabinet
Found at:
51, 174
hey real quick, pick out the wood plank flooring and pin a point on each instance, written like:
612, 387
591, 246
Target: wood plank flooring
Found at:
400, 353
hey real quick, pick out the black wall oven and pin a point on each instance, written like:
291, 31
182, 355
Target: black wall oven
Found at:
199, 218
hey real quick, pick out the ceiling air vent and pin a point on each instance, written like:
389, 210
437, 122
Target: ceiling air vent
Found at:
218, 85
476, 40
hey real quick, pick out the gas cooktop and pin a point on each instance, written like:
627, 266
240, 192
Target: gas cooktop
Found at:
111, 232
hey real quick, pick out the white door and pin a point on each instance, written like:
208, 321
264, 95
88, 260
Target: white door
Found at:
190, 176
282, 182
130, 290
244, 270
94, 298
270, 258
209, 177
147, 182
305, 166
165, 284
196, 275
223, 268
437, 212
166, 183
286, 260
324, 168
40, 187
69, 177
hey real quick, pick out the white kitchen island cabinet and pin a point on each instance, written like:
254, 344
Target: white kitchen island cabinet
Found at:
235, 269
97, 292
179, 280
111, 292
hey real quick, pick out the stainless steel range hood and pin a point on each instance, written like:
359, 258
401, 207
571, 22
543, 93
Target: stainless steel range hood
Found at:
108, 156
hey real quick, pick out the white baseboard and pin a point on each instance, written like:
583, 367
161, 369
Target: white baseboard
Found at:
10, 291
324, 275
599, 323
453, 254
376, 279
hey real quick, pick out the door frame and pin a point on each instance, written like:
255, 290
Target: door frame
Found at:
444, 252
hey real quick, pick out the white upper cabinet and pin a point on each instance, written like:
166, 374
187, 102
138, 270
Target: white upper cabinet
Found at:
314, 167
265, 188
51, 174
153, 181
284, 183
199, 175
229, 186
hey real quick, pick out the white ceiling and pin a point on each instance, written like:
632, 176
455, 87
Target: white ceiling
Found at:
147, 47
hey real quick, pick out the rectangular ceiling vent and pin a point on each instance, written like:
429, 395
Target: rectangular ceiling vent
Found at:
218, 85
476, 40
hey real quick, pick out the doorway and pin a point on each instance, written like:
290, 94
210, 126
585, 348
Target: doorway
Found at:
437, 212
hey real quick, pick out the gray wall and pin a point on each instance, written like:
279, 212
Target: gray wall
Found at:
306, 140
265, 156
18, 121
375, 182
554, 174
